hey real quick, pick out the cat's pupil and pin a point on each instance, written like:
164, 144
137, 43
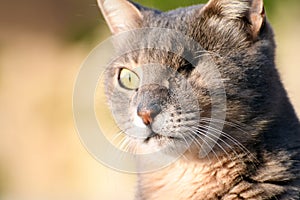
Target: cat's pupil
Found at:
128, 79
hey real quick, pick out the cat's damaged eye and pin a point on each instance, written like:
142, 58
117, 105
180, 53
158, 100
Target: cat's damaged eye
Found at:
128, 79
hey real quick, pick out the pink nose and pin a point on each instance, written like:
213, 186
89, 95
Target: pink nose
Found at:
146, 116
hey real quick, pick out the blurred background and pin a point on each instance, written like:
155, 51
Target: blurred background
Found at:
42, 45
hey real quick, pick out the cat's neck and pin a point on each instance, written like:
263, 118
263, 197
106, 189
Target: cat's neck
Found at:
191, 179
231, 176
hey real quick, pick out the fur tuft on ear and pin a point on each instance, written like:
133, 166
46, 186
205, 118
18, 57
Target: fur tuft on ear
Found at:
252, 10
120, 15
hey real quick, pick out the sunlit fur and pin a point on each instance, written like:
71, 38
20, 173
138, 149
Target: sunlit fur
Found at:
257, 155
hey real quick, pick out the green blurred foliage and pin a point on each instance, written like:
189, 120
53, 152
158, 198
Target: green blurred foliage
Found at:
168, 4
81, 32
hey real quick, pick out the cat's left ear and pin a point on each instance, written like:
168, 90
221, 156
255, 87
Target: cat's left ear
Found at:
120, 15
256, 16
252, 10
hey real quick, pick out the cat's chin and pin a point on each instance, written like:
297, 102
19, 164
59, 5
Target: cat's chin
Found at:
155, 142
159, 137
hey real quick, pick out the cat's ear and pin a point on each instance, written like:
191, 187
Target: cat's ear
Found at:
120, 15
257, 16
251, 10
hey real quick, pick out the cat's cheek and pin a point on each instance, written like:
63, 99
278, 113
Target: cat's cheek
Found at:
159, 123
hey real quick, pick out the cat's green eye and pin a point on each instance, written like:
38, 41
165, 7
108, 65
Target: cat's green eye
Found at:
128, 79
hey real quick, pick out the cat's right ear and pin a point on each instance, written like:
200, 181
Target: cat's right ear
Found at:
251, 10
120, 15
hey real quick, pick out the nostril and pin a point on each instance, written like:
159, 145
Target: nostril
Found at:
146, 116
148, 113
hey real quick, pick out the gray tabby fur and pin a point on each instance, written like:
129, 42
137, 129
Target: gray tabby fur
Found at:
257, 103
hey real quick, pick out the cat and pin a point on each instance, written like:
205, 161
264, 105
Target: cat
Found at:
257, 151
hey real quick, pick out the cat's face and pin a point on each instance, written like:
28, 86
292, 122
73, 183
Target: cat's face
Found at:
160, 89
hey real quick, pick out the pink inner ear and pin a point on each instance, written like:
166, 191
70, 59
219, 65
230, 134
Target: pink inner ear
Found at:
120, 15
256, 21
257, 16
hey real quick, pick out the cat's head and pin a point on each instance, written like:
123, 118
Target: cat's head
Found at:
160, 90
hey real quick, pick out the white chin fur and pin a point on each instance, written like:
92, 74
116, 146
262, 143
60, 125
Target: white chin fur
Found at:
137, 121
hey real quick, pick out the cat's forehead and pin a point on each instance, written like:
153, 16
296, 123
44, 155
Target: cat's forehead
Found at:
172, 19
154, 59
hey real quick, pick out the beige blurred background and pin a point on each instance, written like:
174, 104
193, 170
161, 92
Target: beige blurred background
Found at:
42, 45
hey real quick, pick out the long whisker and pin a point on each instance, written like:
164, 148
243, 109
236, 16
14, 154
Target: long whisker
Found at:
200, 131
178, 152
117, 135
194, 139
234, 125
229, 137
243, 148
204, 132
204, 129
197, 142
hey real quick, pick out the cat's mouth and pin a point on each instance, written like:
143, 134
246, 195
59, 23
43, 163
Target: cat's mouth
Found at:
156, 136
151, 134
